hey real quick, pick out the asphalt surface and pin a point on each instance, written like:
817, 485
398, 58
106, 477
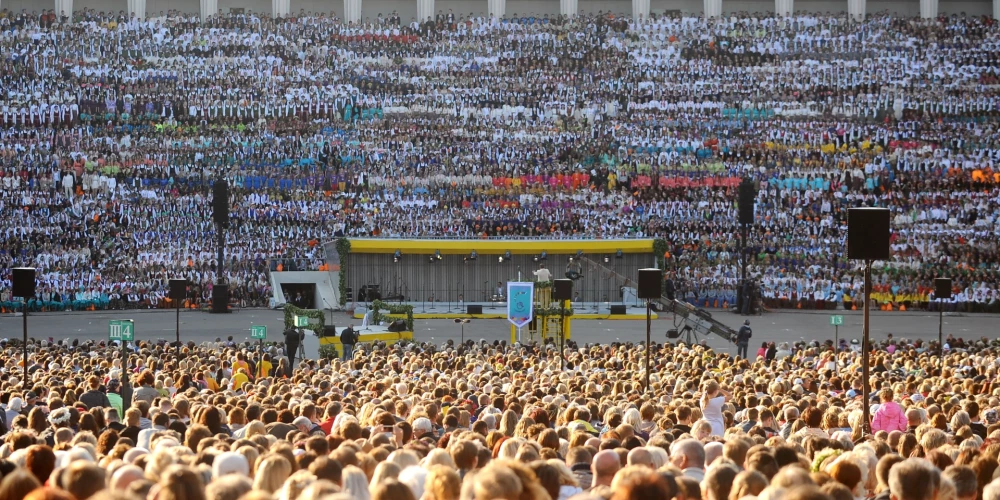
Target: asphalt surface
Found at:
776, 326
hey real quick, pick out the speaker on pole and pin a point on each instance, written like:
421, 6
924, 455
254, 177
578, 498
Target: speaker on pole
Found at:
24, 282
747, 195
178, 290
562, 289
868, 233
220, 202
942, 288
618, 310
649, 283
220, 298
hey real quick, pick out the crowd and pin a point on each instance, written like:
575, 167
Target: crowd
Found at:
112, 129
225, 421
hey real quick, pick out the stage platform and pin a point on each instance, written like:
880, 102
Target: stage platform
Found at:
371, 334
498, 310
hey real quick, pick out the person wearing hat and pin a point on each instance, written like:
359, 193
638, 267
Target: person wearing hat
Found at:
743, 339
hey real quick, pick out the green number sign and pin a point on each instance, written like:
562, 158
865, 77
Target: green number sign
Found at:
301, 321
258, 332
836, 320
121, 329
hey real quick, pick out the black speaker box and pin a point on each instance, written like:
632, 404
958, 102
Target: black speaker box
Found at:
329, 331
649, 283
562, 289
942, 288
618, 309
24, 282
868, 233
178, 290
747, 195
473, 309
220, 202
397, 326
220, 298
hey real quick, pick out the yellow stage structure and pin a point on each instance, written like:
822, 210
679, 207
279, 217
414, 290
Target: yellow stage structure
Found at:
546, 327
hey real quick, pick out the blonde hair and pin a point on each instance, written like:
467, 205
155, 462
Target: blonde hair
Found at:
271, 473
256, 428
438, 456
383, 471
442, 483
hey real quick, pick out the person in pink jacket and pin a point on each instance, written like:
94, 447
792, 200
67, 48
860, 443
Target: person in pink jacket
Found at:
889, 416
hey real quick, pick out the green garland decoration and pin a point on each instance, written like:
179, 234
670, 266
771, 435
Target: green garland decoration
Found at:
659, 248
343, 249
542, 285
542, 312
291, 312
329, 352
396, 311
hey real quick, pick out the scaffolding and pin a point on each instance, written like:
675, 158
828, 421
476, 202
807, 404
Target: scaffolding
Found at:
544, 328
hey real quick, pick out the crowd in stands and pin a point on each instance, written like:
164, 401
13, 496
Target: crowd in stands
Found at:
225, 421
112, 129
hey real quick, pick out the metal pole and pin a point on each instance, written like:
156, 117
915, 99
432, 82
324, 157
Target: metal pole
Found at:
562, 334
743, 270
941, 332
24, 347
463, 333
866, 387
178, 311
649, 326
126, 395
836, 340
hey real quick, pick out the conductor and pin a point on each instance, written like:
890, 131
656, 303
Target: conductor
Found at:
348, 338
293, 339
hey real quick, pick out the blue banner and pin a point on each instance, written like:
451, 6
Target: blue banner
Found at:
520, 303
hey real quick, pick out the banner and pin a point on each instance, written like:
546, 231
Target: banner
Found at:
520, 303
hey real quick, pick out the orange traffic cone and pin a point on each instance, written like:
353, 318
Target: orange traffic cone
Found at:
854, 307
902, 307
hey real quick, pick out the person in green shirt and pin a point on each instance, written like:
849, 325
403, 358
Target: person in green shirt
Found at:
115, 396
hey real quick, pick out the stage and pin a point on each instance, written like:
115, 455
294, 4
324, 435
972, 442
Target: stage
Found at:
371, 334
498, 310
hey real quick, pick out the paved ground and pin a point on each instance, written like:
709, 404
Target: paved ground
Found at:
778, 327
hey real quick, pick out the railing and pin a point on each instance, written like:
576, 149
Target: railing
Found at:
295, 264
500, 238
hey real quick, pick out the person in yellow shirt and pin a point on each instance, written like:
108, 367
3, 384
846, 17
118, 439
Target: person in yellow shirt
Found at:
210, 381
264, 367
240, 378
241, 362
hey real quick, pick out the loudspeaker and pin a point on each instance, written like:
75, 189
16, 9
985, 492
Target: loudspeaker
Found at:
329, 331
942, 288
397, 326
220, 202
649, 283
220, 298
618, 309
178, 290
868, 233
562, 290
473, 309
747, 195
24, 282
